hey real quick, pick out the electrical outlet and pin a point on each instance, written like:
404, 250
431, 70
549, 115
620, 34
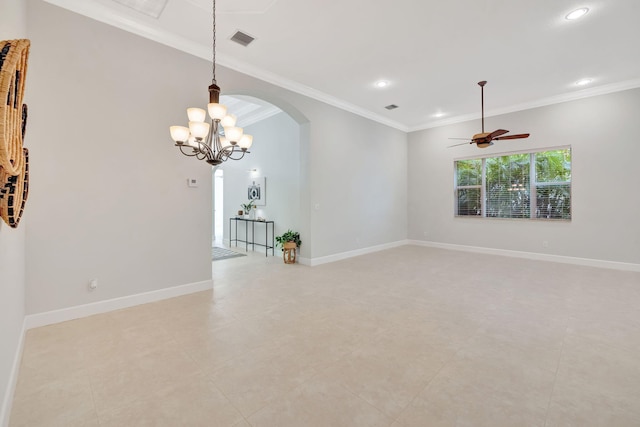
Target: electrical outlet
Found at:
93, 285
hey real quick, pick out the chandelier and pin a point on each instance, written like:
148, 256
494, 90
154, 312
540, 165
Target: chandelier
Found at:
220, 139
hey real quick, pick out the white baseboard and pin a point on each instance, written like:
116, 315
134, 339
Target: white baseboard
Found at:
350, 254
589, 262
5, 411
79, 311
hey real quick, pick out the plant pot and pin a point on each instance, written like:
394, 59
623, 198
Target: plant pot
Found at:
289, 252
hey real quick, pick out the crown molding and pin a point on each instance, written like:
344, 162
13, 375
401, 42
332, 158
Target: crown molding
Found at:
557, 99
307, 91
108, 16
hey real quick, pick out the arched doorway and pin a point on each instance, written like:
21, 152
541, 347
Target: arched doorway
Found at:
274, 160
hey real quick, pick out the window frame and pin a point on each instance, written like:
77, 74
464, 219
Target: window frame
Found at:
533, 184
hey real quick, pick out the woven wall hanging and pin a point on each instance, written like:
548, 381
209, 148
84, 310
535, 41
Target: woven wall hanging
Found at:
14, 193
14, 174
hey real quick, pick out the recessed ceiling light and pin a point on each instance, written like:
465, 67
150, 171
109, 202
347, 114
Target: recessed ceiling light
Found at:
583, 82
576, 14
439, 114
382, 83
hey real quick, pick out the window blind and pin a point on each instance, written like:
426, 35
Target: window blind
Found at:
520, 185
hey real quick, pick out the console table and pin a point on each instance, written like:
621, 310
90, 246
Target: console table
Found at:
252, 242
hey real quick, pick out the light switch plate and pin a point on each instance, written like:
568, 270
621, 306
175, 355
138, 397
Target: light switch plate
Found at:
192, 182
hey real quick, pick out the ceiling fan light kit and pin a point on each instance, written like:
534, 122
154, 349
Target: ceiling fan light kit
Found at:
485, 139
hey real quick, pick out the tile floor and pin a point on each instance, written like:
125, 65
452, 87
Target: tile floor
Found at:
406, 337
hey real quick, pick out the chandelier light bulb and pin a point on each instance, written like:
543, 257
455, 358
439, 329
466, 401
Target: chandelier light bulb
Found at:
179, 133
233, 133
229, 120
199, 129
217, 111
196, 114
245, 142
192, 142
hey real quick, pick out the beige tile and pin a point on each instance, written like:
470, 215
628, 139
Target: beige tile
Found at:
617, 328
464, 406
320, 402
122, 381
580, 412
482, 392
514, 348
256, 379
282, 413
190, 401
211, 348
594, 378
430, 336
387, 384
65, 402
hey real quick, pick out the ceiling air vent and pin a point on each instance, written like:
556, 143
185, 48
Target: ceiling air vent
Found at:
391, 107
242, 38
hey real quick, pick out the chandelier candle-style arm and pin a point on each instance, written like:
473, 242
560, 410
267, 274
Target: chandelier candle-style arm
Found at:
202, 140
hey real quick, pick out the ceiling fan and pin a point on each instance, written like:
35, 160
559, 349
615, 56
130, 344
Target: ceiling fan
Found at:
485, 139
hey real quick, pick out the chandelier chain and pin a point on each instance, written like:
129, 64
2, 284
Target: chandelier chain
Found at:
214, 42
202, 140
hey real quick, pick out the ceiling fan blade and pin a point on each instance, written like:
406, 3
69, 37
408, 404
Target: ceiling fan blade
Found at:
464, 143
497, 133
519, 136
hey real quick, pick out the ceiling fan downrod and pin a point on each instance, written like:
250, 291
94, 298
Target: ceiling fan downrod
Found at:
482, 83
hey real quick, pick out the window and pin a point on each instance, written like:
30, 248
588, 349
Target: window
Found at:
469, 179
521, 185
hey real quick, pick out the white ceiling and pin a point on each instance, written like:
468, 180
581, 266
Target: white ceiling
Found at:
432, 53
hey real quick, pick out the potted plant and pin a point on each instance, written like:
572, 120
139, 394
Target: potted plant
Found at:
289, 241
247, 207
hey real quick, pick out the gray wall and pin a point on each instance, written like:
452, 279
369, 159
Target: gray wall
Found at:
12, 242
353, 171
109, 194
276, 155
603, 133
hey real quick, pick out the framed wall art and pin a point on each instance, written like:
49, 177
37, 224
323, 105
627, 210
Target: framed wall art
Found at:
257, 191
